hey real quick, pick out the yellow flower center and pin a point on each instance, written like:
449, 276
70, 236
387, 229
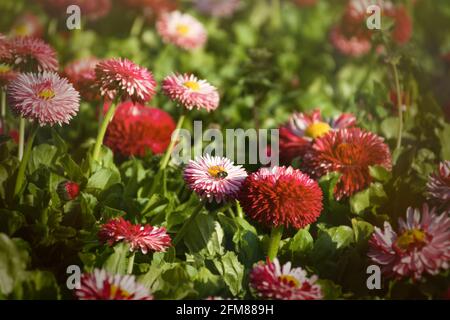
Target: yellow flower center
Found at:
46, 94
414, 237
4, 68
116, 289
217, 172
192, 85
317, 129
21, 30
182, 29
289, 279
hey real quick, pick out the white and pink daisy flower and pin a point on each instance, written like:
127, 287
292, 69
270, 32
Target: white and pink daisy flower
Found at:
182, 30
438, 185
27, 25
214, 178
270, 280
45, 97
100, 285
139, 237
125, 79
422, 245
29, 54
191, 92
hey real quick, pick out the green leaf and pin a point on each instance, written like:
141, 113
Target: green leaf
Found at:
11, 221
231, 270
205, 236
13, 261
37, 284
117, 262
362, 229
380, 173
102, 179
42, 155
360, 201
300, 244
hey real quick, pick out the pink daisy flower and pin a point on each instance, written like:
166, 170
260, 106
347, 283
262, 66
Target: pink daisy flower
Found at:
218, 8
191, 92
140, 237
281, 196
214, 178
44, 97
81, 73
270, 280
27, 25
100, 285
29, 54
182, 30
302, 128
349, 45
7, 74
422, 244
438, 185
125, 79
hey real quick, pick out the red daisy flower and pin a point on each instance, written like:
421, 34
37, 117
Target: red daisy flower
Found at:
123, 78
135, 129
29, 54
81, 73
281, 196
68, 190
146, 238
273, 281
100, 285
350, 152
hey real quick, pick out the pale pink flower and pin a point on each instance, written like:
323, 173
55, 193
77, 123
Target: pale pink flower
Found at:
45, 97
182, 30
422, 244
439, 185
29, 54
214, 178
191, 92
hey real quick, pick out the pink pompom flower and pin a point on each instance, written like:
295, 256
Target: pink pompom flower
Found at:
81, 73
28, 54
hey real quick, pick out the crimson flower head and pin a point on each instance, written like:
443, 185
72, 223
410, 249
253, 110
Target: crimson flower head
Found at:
421, 245
28, 54
140, 237
281, 196
350, 152
124, 79
44, 97
297, 135
68, 190
135, 129
101, 285
81, 73
270, 280
191, 92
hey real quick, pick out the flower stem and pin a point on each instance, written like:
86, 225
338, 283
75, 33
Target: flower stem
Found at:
136, 28
173, 141
3, 111
101, 133
52, 27
239, 210
180, 235
274, 243
276, 14
21, 138
24, 162
131, 263
399, 106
